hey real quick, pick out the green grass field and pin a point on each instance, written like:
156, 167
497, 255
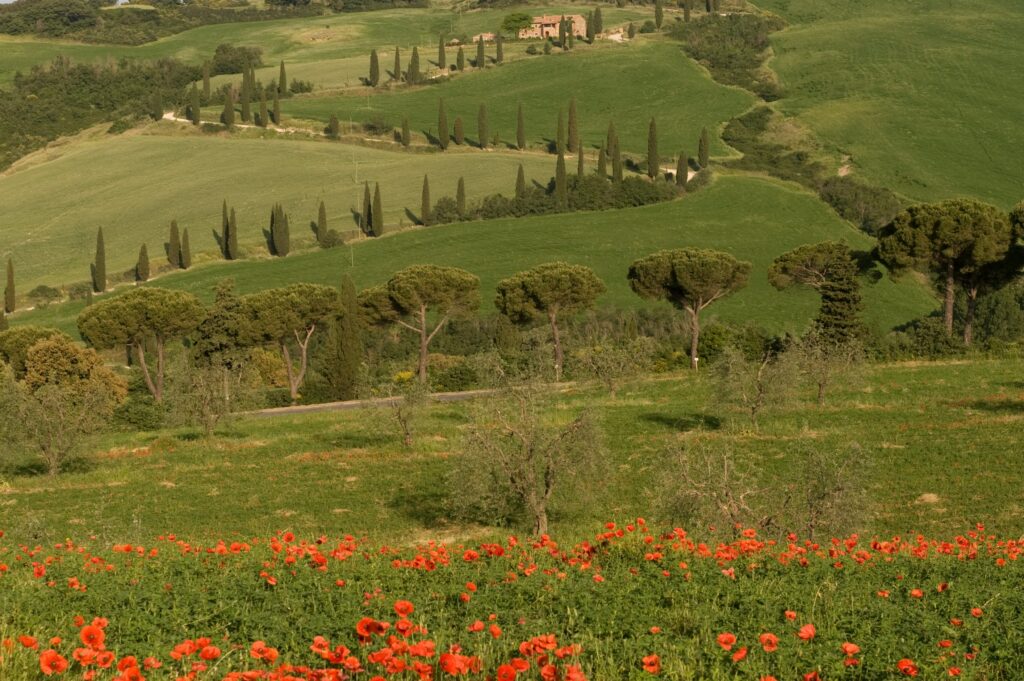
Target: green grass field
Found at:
922, 96
627, 84
298, 41
945, 429
754, 218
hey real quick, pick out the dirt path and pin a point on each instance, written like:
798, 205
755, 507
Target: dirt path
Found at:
461, 396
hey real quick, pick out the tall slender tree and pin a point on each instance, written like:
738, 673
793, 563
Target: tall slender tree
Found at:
653, 159
579, 164
682, 169
378, 212
277, 108
413, 75
574, 128
174, 246
499, 50
227, 117
425, 203
460, 60
225, 229
590, 28
282, 81
365, 223
482, 126
343, 346
142, 265
99, 265
206, 81
611, 137
602, 163
616, 163
186, 251
460, 197
659, 13
10, 299
520, 182
598, 22
232, 244
245, 97
520, 128
561, 188
194, 109
687, 9
703, 149
396, 74
459, 131
442, 125
406, 133
562, 34
263, 108
560, 133
321, 225
334, 127
481, 57
442, 56
374, 78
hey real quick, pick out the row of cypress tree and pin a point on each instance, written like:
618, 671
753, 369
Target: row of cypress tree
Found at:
414, 74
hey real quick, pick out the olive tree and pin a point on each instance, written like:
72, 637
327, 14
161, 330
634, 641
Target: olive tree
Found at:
287, 315
690, 279
956, 241
422, 299
15, 344
141, 317
546, 291
66, 395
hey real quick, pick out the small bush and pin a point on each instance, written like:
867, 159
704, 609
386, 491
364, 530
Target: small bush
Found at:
649, 27
298, 87
378, 125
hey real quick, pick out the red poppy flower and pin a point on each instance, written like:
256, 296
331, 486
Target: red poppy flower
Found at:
209, 653
92, 637
850, 649
907, 667
739, 655
652, 664
51, 662
404, 608
807, 632
726, 640
506, 672
769, 641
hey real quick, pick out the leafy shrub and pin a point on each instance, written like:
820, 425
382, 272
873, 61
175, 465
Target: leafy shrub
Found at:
300, 86
378, 125
233, 59
870, 208
43, 295
649, 27
139, 412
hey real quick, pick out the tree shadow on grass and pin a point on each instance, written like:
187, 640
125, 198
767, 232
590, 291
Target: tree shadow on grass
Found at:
1006, 406
36, 468
426, 506
684, 423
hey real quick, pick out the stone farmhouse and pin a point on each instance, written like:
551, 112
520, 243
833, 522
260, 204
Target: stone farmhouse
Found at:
547, 26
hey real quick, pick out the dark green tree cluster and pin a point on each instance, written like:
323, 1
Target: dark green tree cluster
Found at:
99, 264
10, 299
373, 80
280, 240
179, 255
371, 218
142, 265
228, 232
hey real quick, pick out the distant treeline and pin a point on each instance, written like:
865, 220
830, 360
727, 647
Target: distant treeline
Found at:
88, 21
65, 98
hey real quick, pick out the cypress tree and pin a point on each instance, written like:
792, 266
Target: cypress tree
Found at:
579, 164
482, 126
99, 266
321, 225
425, 203
602, 163
460, 60
374, 78
460, 197
442, 57
682, 169
703, 150
442, 125
333, 127
653, 159
283, 240
225, 230
590, 28
406, 134
574, 130
598, 22
499, 55
343, 345
282, 81
263, 108
610, 137
520, 182
561, 193
413, 76
277, 108
142, 265
246, 97
687, 8
616, 162
174, 246
481, 59
9, 293
397, 73
561, 34
228, 116
232, 246
520, 128
194, 109
571, 35
186, 251
631, 30
206, 81
378, 212
659, 13
460, 131
365, 223
560, 134
547, 46
707, 6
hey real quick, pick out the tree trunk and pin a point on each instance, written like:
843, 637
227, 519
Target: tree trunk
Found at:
821, 394
972, 302
159, 369
424, 343
540, 521
141, 354
950, 296
557, 339
694, 338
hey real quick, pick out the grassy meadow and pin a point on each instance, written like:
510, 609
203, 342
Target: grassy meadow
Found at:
937, 445
917, 94
754, 218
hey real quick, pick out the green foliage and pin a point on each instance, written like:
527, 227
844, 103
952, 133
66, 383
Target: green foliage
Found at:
142, 265
653, 158
10, 299
515, 22
442, 126
374, 78
15, 343
425, 203
280, 241
99, 265
866, 206
483, 127
339, 357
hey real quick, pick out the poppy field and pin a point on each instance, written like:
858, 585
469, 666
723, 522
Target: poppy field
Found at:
631, 603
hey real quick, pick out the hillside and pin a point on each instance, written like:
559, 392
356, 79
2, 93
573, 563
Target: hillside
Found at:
753, 218
917, 94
